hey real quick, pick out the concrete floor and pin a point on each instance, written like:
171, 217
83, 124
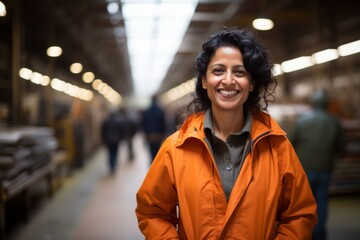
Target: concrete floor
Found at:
92, 205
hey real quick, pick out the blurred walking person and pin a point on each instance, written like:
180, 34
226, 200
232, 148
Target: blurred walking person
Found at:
154, 126
132, 126
112, 132
318, 140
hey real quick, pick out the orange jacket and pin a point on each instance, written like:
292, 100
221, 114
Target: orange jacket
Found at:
182, 196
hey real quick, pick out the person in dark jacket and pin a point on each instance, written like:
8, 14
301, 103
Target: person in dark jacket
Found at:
154, 126
318, 140
112, 132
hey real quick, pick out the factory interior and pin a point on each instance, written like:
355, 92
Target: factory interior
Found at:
117, 54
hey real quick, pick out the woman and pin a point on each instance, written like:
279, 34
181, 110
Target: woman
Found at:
229, 172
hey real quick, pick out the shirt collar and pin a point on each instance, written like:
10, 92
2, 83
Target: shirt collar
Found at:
208, 126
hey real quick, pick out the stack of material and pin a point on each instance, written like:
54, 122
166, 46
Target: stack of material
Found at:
24, 150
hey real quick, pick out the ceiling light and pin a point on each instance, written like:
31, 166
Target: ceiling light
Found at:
25, 73
88, 77
113, 8
36, 78
179, 91
45, 81
349, 48
2, 10
54, 51
297, 64
57, 84
96, 84
76, 68
154, 32
277, 70
325, 56
263, 24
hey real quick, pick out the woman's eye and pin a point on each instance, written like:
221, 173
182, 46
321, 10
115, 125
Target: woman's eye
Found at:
240, 73
218, 71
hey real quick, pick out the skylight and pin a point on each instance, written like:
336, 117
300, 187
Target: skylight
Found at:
154, 30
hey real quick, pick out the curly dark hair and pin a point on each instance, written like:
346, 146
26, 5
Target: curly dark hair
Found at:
256, 62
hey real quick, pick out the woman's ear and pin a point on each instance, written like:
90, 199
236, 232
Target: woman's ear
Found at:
203, 82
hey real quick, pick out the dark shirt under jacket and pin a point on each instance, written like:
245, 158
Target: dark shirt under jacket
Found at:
228, 155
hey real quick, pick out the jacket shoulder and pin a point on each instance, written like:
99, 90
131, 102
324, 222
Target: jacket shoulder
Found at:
263, 121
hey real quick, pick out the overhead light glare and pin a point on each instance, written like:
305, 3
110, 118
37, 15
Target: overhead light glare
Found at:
76, 68
25, 73
263, 24
96, 84
36, 78
277, 70
2, 9
88, 77
57, 84
349, 48
54, 51
45, 81
154, 31
325, 56
179, 91
297, 64
113, 8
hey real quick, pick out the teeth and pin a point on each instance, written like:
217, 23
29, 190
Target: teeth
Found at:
228, 92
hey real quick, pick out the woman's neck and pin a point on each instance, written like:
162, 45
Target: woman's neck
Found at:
227, 122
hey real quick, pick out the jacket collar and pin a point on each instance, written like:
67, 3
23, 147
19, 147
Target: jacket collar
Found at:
262, 124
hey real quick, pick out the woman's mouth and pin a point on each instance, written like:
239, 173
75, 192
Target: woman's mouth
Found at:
228, 92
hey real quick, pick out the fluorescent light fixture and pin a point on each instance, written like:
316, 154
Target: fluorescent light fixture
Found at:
25, 73
54, 51
277, 70
71, 90
325, 56
349, 48
36, 78
263, 24
45, 81
96, 84
57, 84
76, 68
2, 9
154, 31
179, 91
88, 77
297, 64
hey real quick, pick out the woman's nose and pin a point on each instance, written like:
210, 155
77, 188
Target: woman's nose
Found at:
228, 78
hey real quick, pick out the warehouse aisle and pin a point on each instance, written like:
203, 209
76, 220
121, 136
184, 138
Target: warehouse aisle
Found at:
91, 205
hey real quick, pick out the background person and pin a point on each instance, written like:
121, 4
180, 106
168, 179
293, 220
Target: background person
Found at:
154, 126
318, 140
112, 132
229, 172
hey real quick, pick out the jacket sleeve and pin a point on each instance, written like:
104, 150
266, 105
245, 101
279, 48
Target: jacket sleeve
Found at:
157, 200
296, 216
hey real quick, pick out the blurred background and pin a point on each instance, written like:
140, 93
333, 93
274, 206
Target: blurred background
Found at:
65, 64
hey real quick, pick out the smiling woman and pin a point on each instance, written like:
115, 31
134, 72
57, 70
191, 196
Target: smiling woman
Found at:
226, 81
229, 167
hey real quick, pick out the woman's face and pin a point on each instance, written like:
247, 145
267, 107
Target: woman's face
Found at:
227, 82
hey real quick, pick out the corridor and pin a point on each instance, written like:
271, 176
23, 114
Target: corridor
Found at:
91, 205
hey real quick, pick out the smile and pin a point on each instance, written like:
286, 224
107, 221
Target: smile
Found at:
228, 92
